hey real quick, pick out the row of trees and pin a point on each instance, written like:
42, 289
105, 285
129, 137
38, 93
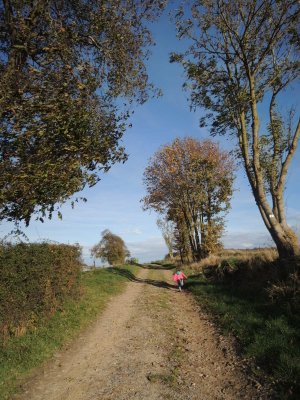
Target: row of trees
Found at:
190, 182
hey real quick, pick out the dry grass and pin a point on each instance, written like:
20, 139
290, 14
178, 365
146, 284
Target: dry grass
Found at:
254, 270
253, 258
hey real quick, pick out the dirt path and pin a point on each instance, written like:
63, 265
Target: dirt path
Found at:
140, 348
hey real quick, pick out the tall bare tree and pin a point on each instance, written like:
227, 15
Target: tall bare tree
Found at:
243, 55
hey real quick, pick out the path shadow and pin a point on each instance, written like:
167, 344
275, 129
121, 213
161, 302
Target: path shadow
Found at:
190, 284
195, 281
131, 277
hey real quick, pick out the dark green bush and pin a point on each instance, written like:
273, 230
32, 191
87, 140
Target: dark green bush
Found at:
34, 281
279, 278
132, 261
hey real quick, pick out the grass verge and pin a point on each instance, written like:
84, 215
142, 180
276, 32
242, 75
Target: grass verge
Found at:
266, 332
21, 355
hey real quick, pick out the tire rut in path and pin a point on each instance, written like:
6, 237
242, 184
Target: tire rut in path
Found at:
149, 343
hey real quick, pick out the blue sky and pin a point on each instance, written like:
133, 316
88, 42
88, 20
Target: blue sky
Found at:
115, 202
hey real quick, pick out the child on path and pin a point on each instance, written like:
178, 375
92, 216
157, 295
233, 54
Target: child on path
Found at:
179, 277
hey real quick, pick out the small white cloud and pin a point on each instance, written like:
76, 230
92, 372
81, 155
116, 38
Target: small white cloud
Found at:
137, 231
132, 231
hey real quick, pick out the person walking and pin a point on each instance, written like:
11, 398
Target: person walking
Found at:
178, 277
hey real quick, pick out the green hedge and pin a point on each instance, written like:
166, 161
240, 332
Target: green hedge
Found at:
34, 281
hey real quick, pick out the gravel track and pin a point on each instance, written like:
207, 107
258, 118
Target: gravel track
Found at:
151, 342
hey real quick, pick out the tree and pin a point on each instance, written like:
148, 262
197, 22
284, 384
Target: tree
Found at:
63, 65
190, 182
167, 228
181, 238
243, 55
111, 248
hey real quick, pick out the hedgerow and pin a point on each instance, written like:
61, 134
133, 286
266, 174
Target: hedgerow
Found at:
34, 281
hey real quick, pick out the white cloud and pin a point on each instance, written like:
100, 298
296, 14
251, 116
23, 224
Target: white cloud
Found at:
151, 249
247, 240
137, 231
132, 231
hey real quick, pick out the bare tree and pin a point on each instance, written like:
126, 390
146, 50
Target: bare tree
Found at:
167, 228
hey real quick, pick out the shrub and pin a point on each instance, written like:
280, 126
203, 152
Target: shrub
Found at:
34, 281
132, 261
285, 290
248, 267
111, 248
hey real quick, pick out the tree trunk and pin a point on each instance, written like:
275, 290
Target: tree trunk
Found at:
286, 241
284, 237
190, 235
181, 255
198, 244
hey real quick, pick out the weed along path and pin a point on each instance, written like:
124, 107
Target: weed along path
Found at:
152, 343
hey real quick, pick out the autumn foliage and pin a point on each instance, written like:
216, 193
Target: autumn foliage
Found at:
190, 182
111, 249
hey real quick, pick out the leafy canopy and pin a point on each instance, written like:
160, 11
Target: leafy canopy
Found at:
190, 182
111, 248
63, 65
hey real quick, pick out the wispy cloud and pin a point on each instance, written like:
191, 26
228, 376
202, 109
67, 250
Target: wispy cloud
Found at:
151, 249
131, 231
247, 240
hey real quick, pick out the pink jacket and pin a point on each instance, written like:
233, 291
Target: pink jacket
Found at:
177, 277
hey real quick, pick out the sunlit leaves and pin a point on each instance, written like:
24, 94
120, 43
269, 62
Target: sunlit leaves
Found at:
111, 249
241, 56
190, 181
62, 67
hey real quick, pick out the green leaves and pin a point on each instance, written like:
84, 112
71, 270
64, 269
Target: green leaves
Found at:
63, 64
111, 248
35, 279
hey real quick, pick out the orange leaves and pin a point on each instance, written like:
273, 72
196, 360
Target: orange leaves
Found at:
190, 181
182, 165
